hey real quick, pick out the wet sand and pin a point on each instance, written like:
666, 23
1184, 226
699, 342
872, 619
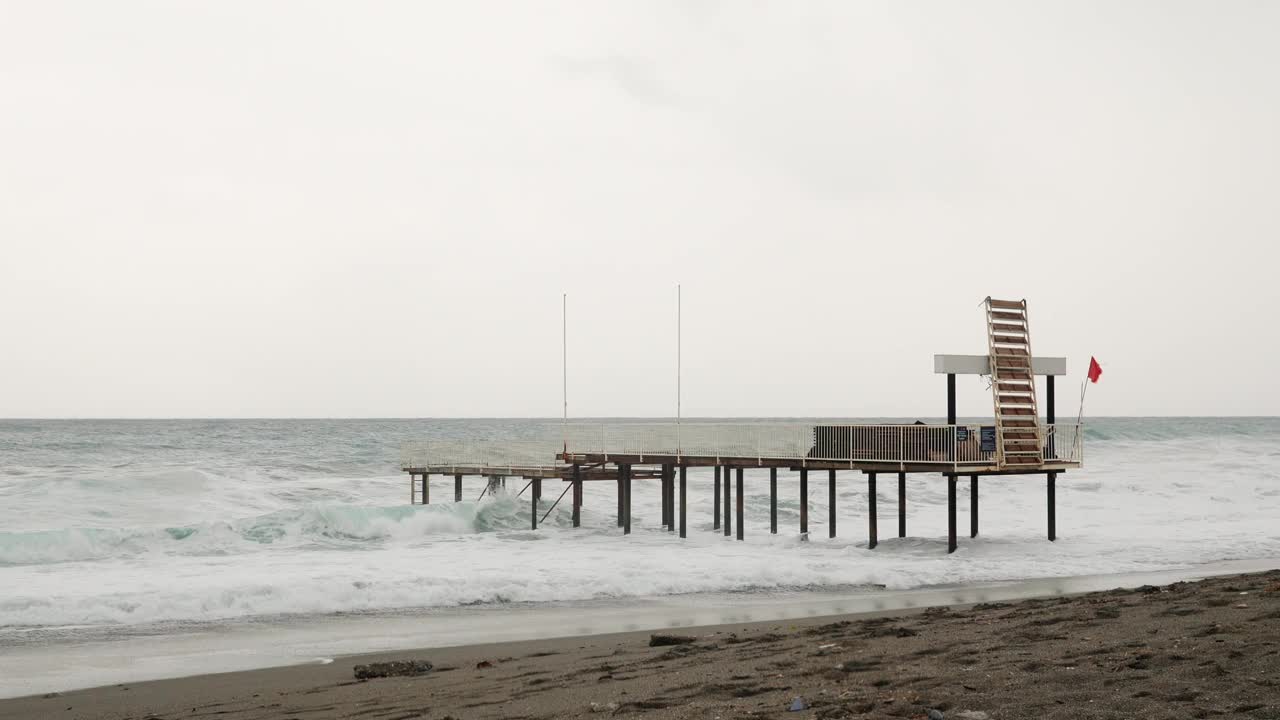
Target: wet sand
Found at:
1187, 650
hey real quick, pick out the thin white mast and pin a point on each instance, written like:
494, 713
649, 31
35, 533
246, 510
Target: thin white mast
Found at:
564, 365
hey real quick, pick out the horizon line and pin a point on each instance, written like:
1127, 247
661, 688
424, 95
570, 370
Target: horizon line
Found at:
584, 418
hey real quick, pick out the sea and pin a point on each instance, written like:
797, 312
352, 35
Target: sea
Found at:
132, 549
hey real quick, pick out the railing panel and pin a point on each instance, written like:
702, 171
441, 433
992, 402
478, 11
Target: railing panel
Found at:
496, 453
943, 445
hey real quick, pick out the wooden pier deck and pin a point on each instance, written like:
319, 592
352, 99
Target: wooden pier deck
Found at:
1014, 442
592, 452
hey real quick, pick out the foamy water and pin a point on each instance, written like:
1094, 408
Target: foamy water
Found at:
127, 524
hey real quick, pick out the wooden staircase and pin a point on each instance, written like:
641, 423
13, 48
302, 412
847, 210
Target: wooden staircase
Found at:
1013, 386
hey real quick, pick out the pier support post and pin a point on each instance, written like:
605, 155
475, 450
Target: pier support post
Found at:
727, 505
413, 480
457, 488
902, 504
951, 399
533, 501
873, 531
626, 498
741, 510
620, 498
804, 502
773, 500
951, 514
666, 498
426, 488
973, 506
577, 495
662, 495
1051, 418
715, 503
671, 498
831, 503
1051, 488
683, 484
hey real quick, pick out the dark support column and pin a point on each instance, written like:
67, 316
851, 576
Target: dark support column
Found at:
626, 499
662, 495
671, 488
741, 510
951, 399
621, 500
951, 514
667, 514
671, 498
902, 504
727, 505
1051, 416
457, 488
804, 501
426, 488
533, 501
773, 500
973, 506
831, 503
715, 503
873, 530
1050, 412
577, 495
1053, 505
683, 483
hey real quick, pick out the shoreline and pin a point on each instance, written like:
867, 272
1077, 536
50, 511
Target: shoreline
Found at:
1192, 648
744, 619
73, 663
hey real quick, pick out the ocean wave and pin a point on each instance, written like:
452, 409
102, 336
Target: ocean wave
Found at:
315, 524
1165, 429
247, 519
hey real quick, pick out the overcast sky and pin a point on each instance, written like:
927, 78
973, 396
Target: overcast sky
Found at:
373, 209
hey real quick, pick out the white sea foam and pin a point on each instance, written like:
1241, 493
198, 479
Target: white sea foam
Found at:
92, 541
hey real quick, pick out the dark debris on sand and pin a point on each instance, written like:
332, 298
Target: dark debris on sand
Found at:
395, 668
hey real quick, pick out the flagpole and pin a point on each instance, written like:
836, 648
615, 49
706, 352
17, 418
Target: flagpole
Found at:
1084, 387
679, 341
564, 366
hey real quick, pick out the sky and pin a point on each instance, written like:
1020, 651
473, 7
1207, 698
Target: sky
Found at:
311, 209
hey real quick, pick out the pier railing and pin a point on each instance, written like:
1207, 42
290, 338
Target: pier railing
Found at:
941, 445
916, 444
514, 457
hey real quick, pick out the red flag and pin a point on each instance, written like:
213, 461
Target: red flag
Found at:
1095, 370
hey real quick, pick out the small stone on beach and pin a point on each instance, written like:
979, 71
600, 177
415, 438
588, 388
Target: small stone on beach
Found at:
798, 705
396, 668
665, 640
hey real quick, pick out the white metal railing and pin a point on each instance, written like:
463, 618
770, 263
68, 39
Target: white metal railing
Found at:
943, 445
508, 455
916, 443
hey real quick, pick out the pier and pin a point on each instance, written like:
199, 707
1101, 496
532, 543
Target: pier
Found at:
1015, 442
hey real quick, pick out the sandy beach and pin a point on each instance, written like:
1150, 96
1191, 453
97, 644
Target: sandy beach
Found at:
1190, 649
